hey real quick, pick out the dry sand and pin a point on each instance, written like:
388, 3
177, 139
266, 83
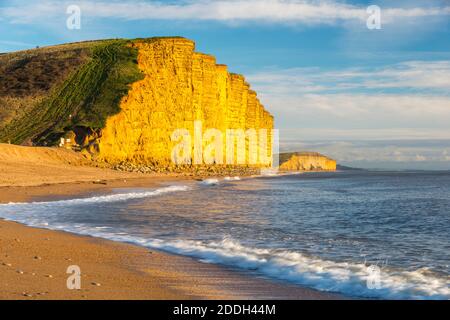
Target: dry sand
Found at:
33, 262
31, 166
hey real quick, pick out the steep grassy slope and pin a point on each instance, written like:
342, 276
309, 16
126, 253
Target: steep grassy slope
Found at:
70, 87
26, 77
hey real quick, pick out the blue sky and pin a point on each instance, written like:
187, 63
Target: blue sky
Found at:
374, 98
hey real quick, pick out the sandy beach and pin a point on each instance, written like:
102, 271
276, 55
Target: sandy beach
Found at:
34, 262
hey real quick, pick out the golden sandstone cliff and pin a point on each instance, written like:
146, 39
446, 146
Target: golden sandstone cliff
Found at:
141, 105
306, 161
180, 87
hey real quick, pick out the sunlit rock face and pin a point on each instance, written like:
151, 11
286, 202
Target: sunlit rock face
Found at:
306, 161
180, 86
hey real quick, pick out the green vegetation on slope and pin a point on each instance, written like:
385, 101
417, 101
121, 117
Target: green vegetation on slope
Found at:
27, 77
91, 94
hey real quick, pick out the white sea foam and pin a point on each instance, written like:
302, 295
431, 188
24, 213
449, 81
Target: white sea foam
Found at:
210, 182
232, 178
100, 199
269, 173
347, 278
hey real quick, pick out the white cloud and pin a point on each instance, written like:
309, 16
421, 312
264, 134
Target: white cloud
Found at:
422, 75
382, 101
412, 74
263, 11
359, 106
353, 112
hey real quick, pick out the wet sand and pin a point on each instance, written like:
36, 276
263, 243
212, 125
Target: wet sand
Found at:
34, 262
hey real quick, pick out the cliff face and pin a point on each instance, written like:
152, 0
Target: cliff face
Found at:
306, 161
180, 86
120, 101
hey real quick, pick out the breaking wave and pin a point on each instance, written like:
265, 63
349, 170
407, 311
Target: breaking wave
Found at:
99, 199
325, 275
210, 182
232, 178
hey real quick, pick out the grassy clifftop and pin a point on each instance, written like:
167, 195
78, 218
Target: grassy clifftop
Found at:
47, 92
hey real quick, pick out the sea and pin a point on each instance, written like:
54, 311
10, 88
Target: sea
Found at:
363, 234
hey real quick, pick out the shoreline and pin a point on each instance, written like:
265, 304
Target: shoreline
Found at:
116, 270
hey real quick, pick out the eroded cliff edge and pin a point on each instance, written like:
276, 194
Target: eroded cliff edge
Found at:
180, 86
121, 101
